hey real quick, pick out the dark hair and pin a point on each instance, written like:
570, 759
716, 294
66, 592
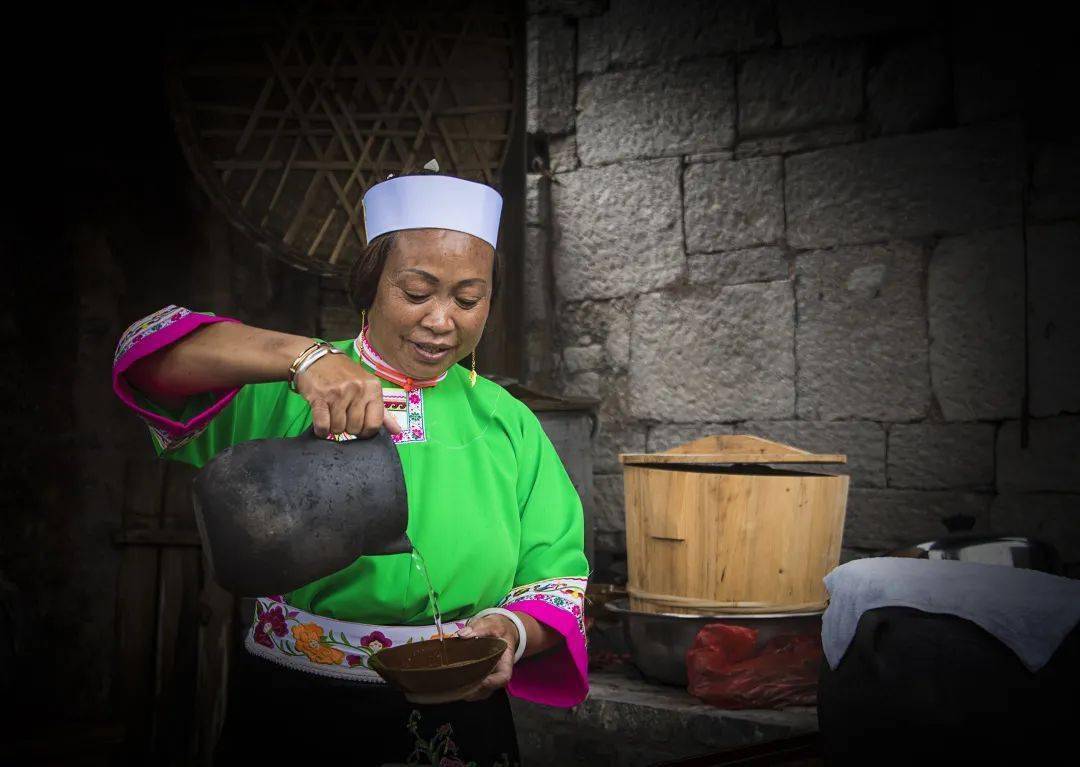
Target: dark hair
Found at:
368, 268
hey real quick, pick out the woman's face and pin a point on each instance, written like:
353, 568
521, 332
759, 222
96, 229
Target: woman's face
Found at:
433, 299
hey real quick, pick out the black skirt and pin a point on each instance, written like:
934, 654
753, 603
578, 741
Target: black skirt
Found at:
274, 712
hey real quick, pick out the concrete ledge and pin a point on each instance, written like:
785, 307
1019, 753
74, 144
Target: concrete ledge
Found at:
627, 721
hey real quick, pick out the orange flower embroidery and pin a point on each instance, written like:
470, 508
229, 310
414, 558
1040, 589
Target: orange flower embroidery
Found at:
307, 638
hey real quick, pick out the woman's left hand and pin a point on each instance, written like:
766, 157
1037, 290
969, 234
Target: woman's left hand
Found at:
503, 628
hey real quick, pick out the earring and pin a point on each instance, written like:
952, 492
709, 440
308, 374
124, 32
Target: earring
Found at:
363, 319
472, 373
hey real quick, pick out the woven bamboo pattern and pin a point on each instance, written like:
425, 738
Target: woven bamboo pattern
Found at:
287, 117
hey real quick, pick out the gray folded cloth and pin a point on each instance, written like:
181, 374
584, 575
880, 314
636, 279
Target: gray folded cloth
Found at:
1028, 611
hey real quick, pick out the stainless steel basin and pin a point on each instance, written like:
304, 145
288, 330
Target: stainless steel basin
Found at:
658, 642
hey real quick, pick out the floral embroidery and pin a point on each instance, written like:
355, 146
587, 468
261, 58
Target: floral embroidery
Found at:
408, 409
376, 641
326, 646
309, 640
166, 436
566, 594
147, 326
441, 750
269, 622
321, 641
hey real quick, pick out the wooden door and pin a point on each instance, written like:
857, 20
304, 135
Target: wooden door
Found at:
173, 624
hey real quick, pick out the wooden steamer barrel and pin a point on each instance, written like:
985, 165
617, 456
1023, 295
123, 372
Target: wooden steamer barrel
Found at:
726, 525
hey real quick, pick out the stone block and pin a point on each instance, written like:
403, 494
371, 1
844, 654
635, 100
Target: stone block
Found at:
1050, 517
617, 229
910, 88
1055, 192
861, 339
536, 199
657, 111
732, 204
577, 359
932, 456
536, 287
715, 355
584, 385
765, 264
549, 75
562, 153
723, 154
1050, 462
636, 32
798, 88
945, 182
537, 325
668, 435
614, 437
863, 442
617, 431
539, 363
612, 542
599, 322
1054, 324
802, 22
883, 520
803, 141
976, 305
610, 513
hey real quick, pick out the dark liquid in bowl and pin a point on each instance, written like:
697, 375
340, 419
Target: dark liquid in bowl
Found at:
434, 667
450, 653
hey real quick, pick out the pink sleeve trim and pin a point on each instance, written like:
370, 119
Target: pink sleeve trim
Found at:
559, 677
145, 337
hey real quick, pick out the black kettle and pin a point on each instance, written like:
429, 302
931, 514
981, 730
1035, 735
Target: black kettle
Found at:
276, 514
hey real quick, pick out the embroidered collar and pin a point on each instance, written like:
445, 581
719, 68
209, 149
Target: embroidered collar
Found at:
385, 370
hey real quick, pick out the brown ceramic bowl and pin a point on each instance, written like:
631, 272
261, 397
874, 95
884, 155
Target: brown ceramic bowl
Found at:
417, 669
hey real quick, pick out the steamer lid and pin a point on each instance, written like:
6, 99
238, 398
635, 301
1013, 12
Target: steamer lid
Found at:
731, 449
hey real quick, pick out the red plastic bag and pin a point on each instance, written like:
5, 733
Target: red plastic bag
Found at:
727, 670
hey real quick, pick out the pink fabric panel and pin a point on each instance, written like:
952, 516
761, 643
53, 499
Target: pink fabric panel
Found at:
559, 677
173, 331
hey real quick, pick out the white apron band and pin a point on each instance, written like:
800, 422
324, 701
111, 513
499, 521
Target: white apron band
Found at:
307, 642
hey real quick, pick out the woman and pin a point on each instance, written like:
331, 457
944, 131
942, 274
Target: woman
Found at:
490, 505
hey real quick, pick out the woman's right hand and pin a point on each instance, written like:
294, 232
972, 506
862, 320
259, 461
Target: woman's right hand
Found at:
344, 398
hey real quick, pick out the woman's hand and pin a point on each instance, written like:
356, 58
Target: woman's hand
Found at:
493, 626
538, 638
344, 397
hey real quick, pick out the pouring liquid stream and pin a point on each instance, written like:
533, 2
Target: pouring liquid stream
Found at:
433, 598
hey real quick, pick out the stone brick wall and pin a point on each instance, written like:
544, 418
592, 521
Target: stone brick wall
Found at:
853, 230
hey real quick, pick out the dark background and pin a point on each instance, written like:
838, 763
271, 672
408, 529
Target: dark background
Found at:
103, 223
